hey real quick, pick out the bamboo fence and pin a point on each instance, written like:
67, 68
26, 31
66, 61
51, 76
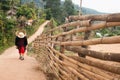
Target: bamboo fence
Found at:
50, 49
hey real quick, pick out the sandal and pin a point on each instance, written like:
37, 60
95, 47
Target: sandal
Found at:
22, 58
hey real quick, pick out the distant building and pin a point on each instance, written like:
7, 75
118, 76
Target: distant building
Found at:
29, 22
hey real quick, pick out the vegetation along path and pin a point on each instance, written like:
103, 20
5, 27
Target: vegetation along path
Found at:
11, 68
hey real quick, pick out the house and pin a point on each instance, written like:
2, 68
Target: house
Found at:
29, 22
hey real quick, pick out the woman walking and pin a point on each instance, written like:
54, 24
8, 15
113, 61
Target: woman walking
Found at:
21, 43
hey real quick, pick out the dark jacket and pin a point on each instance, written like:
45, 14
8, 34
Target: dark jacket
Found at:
21, 41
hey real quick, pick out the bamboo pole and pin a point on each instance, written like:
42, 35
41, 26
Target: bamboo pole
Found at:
67, 65
103, 17
91, 27
59, 65
69, 70
78, 74
90, 75
61, 70
84, 66
99, 55
104, 40
62, 50
93, 70
86, 37
75, 23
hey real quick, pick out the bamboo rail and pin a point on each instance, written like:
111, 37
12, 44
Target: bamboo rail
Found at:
92, 27
105, 56
103, 17
104, 40
75, 23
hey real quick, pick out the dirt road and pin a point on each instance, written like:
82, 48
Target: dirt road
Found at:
11, 68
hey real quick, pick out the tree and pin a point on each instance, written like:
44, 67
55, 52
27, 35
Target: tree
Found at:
53, 6
5, 5
49, 14
68, 8
27, 12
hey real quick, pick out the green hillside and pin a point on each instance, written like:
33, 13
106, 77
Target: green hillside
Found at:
40, 3
87, 10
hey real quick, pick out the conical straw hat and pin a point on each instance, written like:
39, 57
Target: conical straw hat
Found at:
21, 34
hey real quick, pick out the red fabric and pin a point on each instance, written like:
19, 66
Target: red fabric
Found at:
21, 50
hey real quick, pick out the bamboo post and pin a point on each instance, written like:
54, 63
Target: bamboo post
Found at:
62, 47
86, 36
52, 32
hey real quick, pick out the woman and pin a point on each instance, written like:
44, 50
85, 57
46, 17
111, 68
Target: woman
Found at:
21, 43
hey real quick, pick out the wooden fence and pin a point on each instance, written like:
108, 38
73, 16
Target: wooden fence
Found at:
51, 48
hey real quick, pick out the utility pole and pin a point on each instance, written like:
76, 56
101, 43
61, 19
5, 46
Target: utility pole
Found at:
80, 8
80, 13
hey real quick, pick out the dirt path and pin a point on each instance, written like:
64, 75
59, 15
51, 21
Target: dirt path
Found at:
11, 68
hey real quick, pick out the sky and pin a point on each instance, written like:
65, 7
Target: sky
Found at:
108, 6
